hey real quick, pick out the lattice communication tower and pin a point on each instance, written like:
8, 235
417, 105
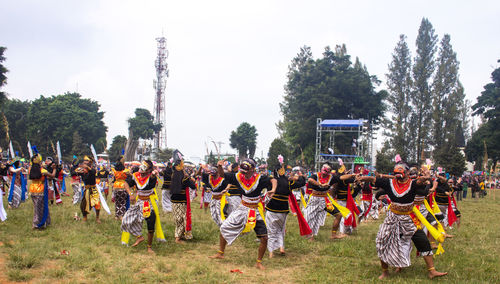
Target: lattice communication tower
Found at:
159, 84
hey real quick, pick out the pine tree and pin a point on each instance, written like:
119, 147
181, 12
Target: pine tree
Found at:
399, 85
448, 96
421, 99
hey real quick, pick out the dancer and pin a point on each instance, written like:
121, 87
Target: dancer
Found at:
76, 183
102, 180
90, 197
319, 203
277, 207
248, 215
233, 197
15, 191
145, 207
166, 194
122, 199
181, 201
39, 191
395, 234
216, 185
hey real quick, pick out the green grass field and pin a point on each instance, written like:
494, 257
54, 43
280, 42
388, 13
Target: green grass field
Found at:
97, 256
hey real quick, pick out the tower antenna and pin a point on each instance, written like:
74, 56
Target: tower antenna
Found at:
159, 84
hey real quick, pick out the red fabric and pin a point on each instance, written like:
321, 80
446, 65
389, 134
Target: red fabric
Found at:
351, 205
369, 208
303, 226
431, 199
202, 196
452, 218
308, 190
454, 201
188, 211
292, 207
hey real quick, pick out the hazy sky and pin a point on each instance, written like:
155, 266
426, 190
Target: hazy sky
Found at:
228, 59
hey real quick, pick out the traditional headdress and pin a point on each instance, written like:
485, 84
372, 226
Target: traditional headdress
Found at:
341, 170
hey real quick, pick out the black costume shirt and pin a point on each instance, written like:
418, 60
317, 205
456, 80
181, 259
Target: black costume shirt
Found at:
88, 177
255, 189
332, 179
180, 197
407, 196
279, 201
151, 183
342, 187
167, 178
441, 190
215, 185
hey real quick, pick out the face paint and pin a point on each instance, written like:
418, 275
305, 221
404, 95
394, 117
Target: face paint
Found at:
143, 167
399, 173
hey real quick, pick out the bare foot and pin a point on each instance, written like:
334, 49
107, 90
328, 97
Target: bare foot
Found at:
311, 239
98, 221
282, 251
271, 255
384, 275
217, 256
139, 240
433, 273
398, 270
179, 241
84, 219
337, 237
150, 250
259, 265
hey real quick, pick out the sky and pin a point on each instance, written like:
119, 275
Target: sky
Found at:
227, 61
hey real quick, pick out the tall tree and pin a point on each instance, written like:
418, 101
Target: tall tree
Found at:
14, 126
445, 102
399, 85
3, 76
141, 126
3, 95
329, 87
244, 140
487, 106
77, 146
421, 99
384, 158
448, 106
278, 147
117, 145
56, 118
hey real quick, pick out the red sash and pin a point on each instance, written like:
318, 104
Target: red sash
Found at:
188, 211
303, 226
452, 218
351, 205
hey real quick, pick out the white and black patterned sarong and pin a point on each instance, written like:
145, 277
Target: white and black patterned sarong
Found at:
315, 213
16, 197
207, 196
276, 225
394, 239
233, 202
215, 211
132, 220
166, 201
343, 228
232, 227
77, 192
444, 210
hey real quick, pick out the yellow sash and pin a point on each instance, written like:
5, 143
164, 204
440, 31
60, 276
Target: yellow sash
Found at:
223, 203
343, 210
158, 230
